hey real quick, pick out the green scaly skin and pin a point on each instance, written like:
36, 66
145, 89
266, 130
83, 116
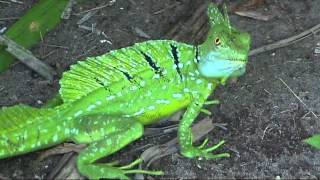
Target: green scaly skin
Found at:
108, 99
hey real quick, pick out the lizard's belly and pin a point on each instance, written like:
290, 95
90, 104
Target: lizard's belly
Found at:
146, 105
150, 109
157, 110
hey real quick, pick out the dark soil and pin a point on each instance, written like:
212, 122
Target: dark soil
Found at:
266, 123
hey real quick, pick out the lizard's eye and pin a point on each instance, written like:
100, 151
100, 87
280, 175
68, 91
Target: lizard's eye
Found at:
217, 41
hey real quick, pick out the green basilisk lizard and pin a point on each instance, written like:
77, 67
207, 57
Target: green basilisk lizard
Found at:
108, 99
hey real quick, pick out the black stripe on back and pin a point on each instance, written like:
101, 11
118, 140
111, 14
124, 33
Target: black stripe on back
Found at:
126, 74
152, 64
99, 81
174, 52
197, 54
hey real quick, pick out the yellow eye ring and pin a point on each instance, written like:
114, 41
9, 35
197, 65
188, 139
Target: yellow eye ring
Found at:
217, 41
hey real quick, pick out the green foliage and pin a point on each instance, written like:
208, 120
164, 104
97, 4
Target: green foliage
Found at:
30, 28
314, 141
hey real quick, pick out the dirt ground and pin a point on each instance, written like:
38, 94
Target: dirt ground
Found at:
265, 121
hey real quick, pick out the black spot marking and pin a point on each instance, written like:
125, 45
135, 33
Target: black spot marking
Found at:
174, 52
197, 54
98, 81
152, 64
126, 74
102, 84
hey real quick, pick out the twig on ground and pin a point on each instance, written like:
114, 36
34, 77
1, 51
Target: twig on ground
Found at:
141, 33
166, 8
85, 53
132, 2
66, 168
286, 42
16, 1
26, 57
152, 132
5, 2
93, 29
48, 54
61, 149
110, 3
56, 46
67, 10
264, 131
2, 30
255, 15
8, 18
183, 30
86, 17
11, 1
2, 177
299, 99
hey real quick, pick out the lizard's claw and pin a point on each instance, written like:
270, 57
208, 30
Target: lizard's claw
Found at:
205, 142
200, 151
127, 169
109, 171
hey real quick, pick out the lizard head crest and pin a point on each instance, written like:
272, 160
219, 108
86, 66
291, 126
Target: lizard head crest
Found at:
225, 51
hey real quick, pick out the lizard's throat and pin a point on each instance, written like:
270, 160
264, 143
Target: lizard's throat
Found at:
212, 66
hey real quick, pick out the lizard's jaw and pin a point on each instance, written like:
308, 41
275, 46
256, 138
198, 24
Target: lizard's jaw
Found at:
214, 67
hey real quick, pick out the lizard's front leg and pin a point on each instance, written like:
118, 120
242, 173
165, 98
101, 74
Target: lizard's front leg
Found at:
118, 132
185, 133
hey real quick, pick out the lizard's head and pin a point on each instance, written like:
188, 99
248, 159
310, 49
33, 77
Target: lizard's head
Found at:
225, 52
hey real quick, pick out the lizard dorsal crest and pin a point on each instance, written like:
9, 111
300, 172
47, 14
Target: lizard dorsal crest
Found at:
124, 65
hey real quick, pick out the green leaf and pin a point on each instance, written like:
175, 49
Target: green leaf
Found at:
313, 141
30, 28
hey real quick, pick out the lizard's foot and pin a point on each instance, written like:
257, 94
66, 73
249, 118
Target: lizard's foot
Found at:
201, 151
127, 169
107, 170
125, 131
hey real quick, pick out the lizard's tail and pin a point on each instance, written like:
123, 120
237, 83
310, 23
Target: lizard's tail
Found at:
17, 127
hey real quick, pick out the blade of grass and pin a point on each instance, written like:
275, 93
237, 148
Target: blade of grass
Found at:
30, 28
314, 141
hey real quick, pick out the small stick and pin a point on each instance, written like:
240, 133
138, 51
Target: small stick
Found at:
15, 1
97, 8
2, 177
26, 57
66, 168
86, 17
295, 95
132, 2
178, 31
285, 42
8, 18
56, 46
6, 2
67, 10
166, 8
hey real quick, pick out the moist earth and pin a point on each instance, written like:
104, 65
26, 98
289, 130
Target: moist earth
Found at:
265, 121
